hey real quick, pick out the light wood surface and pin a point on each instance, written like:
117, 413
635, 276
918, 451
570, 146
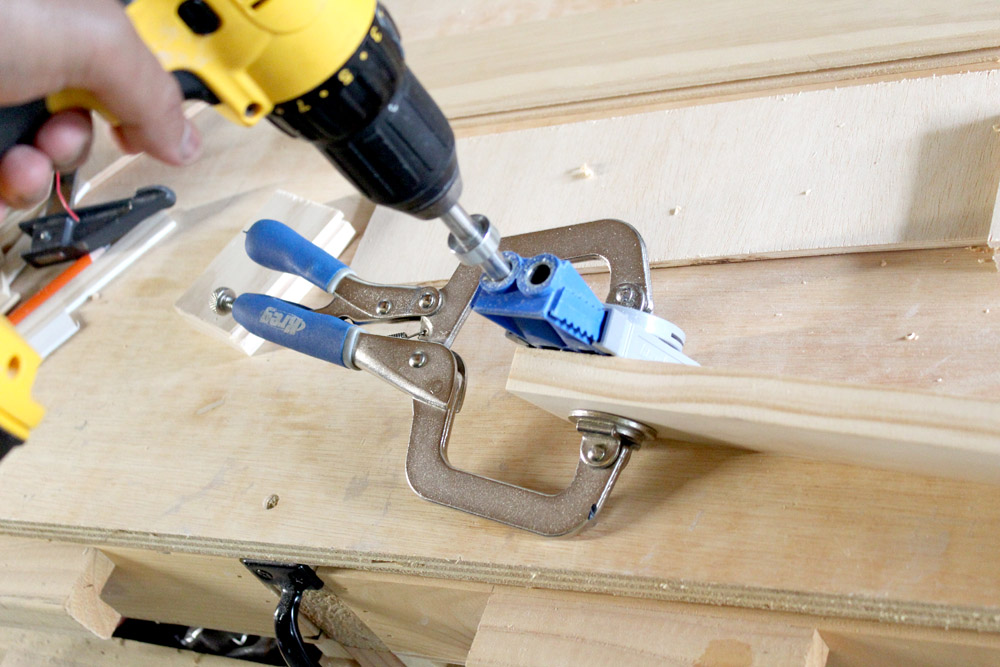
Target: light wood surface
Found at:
871, 426
232, 268
666, 45
124, 458
684, 523
431, 618
904, 164
55, 586
532, 628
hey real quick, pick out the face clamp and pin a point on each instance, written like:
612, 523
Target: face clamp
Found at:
425, 368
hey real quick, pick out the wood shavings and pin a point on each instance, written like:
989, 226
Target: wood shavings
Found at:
883, 263
911, 336
584, 171
805, 193
271, 501
676, 210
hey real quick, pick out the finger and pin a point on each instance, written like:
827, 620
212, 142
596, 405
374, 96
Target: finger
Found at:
145, 99
25, 176
66, 138
3, 211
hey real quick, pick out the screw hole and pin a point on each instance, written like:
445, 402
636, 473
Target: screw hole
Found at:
540, 274
13, 367
252, 110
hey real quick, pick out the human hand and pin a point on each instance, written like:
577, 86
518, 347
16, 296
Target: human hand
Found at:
47, 46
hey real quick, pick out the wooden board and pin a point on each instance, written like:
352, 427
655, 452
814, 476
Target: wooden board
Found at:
529, 628
55, 586
232, 268
667, 45
895, 165
872, 426
141, 464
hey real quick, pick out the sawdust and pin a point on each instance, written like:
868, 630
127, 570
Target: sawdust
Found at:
271, 501
911, 336
584, 171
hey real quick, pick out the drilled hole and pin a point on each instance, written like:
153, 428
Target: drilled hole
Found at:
13, 367
252, 110
540, 274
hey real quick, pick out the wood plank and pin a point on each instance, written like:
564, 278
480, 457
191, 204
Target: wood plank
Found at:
532, 628
186, 589
871, 426
668, 45
55, 586
893, 165
684, 523
430, 618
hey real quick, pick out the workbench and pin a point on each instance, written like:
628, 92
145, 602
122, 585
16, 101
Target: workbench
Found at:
161, 447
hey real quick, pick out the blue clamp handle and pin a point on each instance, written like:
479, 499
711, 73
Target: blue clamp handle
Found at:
279, 247
289, 325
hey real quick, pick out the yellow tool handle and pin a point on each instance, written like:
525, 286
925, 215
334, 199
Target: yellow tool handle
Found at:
19, 413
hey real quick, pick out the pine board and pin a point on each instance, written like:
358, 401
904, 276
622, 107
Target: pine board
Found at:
872, 426
893, 165
670, 45
528, 629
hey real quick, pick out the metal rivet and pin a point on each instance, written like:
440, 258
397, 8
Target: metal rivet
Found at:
628, 295
383, 307
427, 301
595, 454
418, 360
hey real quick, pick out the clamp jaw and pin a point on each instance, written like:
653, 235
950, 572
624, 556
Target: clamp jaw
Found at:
425, 368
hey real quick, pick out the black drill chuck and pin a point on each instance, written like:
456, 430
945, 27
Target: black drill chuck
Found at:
380, 128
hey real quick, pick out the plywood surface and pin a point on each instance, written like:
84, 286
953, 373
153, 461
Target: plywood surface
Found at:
654, 46
895, 164
144, 462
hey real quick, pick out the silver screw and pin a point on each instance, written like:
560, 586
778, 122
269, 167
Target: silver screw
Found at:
222, 301
418, 360
427, 301
383, 307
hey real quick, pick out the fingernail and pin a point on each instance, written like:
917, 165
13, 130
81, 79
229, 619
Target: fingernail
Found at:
190, 143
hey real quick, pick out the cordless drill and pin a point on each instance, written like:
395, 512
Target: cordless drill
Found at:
328, 71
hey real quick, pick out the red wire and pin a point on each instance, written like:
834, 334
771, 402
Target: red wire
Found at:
62, 200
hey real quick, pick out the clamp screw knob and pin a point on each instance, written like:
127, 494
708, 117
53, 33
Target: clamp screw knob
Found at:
222, 300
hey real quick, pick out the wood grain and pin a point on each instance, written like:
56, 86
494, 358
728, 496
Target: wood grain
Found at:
140, 464
871, 426
893, 165
670, 44
55, 586
535, 628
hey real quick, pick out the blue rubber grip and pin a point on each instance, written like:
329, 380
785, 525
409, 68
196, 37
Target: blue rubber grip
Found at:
295, 327
279, 247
